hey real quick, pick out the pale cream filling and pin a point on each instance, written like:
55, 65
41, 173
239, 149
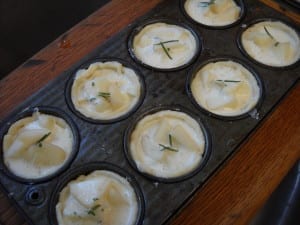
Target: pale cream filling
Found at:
155, 131
37, 146
225, 88
102, 197
105, 90
219, 13
178, 45
272, 43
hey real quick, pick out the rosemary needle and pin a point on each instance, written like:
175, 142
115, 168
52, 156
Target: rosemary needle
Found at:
206, 4
170, 148
271, 36
166, 50
39, 142
164, 147
105, 95
229, 81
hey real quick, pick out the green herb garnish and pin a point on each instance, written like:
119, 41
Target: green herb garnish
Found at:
91, 211
170, 140
206, 4
95, 199
170, 148
92, 99
166, 50
105, 95
271, 36
164, 147
229, 81
39, 142
93, 83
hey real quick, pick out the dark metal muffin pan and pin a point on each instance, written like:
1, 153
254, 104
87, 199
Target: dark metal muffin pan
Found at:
104, 142
206, 136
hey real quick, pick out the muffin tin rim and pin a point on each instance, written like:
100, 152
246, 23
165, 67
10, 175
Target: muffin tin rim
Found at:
193, 71
136, 29
85, 65
177, 108
252, 22
49, 110
86, 169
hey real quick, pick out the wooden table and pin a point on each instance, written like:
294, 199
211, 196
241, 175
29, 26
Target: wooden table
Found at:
245, 181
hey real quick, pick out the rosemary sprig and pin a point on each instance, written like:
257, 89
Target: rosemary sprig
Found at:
165, 42
271, 36
170, 140
164, 147
92, 99
170, 148
105, 95
39, 142
92, 210
229, 81
206, 4
166, 50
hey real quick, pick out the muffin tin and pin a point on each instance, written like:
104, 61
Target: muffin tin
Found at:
104, 142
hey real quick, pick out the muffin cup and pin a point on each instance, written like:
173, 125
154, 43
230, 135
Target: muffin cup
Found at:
85, 65
51, 111
138, 28
175, 108
244, 52
240, 3
192, 73
86, 169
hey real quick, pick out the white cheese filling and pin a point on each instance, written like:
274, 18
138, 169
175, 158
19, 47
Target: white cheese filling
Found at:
37, 146
213, 13
105, 91
102, 197
272, 43
167, 144
164, 46
225, 88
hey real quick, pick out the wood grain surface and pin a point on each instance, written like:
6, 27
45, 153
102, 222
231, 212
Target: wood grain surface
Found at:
244, 182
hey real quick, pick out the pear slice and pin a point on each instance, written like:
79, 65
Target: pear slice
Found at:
87, 191
19, 125
22, 141
283, 51
74, 208
115, 196
162, 134
151, 149
46, 121
45, 154
184, 137
117, 98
